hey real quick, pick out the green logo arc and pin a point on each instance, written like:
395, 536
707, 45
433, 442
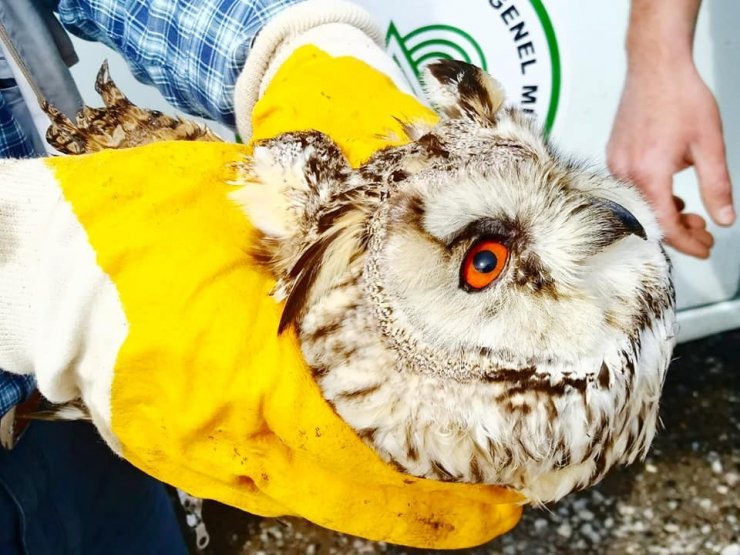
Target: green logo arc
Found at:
435, 48
552, 46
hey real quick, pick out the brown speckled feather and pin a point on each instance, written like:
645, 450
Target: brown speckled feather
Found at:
119, 124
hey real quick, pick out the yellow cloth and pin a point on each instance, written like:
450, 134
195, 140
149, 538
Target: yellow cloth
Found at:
206, 396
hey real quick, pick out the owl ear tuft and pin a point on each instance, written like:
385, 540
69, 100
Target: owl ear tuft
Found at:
459, 89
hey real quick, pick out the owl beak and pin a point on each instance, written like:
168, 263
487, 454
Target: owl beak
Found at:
622, 222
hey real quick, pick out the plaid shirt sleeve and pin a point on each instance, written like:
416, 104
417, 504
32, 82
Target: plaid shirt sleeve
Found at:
192, 50
14, 143
14, 389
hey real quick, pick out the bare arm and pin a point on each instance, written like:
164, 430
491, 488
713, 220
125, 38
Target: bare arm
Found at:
668, 120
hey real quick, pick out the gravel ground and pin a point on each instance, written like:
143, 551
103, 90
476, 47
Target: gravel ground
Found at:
685, 498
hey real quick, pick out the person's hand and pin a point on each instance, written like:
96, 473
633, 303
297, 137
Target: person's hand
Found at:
668, 120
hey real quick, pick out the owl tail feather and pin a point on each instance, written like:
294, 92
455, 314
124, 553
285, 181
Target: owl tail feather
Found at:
73, 410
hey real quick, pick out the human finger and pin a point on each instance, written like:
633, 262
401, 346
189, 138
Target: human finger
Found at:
686, 242
657, 186
693, 221
701, 234
714, 179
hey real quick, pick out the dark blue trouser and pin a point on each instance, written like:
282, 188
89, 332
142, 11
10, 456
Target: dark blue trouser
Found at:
62, 491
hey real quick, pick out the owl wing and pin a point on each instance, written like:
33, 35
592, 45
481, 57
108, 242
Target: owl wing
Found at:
119, 124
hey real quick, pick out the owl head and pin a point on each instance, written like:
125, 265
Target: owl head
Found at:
493, 242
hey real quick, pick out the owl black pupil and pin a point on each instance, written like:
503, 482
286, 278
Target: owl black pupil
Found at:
485, 262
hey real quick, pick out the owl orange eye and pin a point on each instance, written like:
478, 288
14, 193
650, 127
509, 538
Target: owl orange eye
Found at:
483, 263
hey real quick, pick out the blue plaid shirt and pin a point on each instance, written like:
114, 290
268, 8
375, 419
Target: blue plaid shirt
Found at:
191, 50
14, 389
14, 143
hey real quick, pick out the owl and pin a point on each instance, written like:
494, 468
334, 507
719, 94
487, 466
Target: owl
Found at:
476, 306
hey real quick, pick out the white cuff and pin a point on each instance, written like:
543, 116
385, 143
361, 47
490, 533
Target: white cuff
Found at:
287, 24
25, 206
61, 318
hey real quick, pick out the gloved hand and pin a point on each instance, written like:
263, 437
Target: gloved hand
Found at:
126, 280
